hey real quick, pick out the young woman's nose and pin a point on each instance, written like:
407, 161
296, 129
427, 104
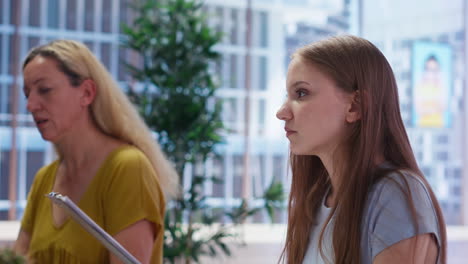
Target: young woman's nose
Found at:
284, 113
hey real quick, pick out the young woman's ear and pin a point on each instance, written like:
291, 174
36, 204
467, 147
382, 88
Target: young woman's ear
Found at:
89, 92
354, 111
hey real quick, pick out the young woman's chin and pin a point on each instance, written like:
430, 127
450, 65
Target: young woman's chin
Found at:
300, 151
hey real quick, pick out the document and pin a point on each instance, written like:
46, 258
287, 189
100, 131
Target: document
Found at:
94, 229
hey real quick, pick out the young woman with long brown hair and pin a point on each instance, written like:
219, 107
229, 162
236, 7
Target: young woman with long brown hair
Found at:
357, 194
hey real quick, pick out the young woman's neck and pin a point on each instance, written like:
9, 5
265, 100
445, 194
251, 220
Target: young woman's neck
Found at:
336, 174
335, 178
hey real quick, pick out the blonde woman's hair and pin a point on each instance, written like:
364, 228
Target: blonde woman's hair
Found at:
111, 109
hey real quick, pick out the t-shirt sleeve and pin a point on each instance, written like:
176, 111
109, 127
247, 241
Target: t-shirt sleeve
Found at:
133, 193
390, 216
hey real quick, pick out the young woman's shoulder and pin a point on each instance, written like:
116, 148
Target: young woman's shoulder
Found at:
400, 192
396, 181
398, 206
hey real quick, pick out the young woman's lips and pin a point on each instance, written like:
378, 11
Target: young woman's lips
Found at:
289, 132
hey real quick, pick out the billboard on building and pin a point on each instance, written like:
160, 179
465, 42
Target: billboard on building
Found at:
431, 84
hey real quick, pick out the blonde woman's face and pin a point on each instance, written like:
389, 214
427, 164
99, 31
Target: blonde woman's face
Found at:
315, 111
54, 103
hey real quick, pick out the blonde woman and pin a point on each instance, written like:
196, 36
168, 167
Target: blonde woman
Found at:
108, 162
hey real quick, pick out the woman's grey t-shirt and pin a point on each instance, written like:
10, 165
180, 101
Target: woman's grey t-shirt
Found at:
387, 218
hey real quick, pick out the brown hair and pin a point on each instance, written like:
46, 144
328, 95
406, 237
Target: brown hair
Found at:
355, 64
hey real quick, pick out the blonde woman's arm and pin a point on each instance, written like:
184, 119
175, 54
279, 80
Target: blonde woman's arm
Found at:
138, 239
21, 246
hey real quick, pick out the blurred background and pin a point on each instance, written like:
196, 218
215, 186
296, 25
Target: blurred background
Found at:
424, 41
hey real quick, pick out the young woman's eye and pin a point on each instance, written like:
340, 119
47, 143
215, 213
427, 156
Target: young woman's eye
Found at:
301, 93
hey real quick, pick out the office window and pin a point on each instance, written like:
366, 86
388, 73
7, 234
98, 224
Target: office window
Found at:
405, 75
278, 167
34, 161
11, 49
12, 12
460, 35
262, 73
419, 156
218, 172
263, 29
407, 90
198, 168
443, 205
447, 173
233, 75
7, 100
33, 42
106, 16
442, 139
406, 44
2, 54
106, 55
234, 26
34, 13
122, 68
71, 15
261, 113
442, 156
53, 13
456, 190
258, 174
238, 167
218, 20
405, 107
4, 99
225, 66
427, 172
4, 173
218, 67
89, 15
443, 38
230, 114
2, 11
21, 102
124, 13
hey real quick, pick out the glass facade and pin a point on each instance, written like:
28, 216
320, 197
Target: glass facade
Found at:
97, 24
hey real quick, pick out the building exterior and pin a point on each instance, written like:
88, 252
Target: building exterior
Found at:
268, 147
397, 29
301, 32
97, 24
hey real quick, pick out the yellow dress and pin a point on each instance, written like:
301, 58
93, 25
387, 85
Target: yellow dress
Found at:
124, 190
